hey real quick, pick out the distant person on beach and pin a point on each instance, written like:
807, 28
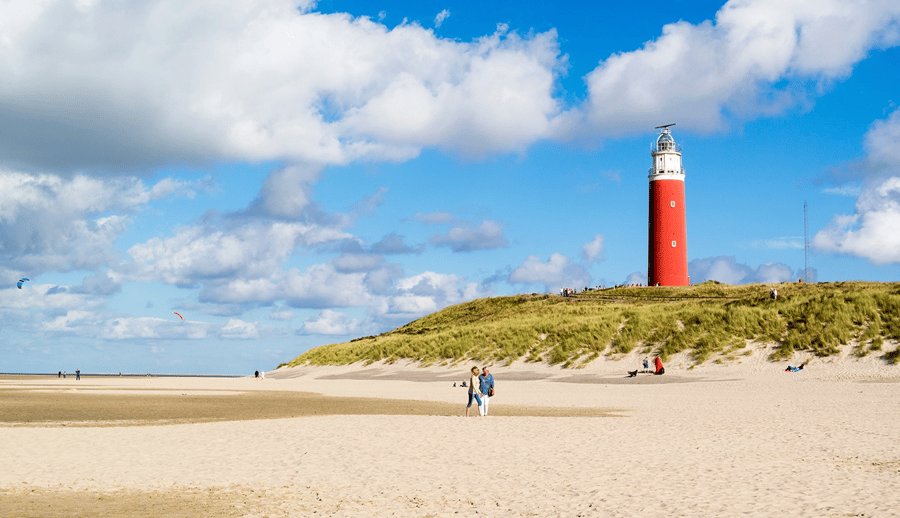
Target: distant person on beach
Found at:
660, 370
77, 374
59, 375
262, 375
795, 369
486, 385
256, 374
473, 391
646, 365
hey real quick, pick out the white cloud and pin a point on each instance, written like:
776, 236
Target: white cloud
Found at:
288, 191
558, 271
239, 330
700, 75
487, 236
779, 243
592, 251
254, 248
425, 293
393, 244
281, 313
881, 141
727, 270
111, 88
441, 16
722, 269
330, 322
206, 252
49, 222
844, 190
71, 321
347, 263
872, 231
167, 83
117, 329
435, 218
636, 278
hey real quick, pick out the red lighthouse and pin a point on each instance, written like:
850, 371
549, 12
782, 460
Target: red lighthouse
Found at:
667, 239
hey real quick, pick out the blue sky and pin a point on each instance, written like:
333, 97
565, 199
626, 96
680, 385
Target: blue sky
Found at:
291, 174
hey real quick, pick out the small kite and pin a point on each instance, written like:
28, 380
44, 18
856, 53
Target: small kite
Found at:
22, 281
179, 315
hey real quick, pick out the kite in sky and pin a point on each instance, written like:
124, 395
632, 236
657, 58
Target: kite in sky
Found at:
179, 315
21, 282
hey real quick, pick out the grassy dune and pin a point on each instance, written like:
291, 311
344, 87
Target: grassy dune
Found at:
706, 320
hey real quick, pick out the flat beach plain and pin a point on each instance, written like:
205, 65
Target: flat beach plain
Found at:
740, 439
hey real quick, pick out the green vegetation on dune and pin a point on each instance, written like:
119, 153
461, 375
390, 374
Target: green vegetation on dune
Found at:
706, 320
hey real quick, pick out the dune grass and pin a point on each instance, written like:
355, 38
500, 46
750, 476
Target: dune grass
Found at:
706, 320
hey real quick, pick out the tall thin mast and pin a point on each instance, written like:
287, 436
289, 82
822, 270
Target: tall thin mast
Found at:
805, 244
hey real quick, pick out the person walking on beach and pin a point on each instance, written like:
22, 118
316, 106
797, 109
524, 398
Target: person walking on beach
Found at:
473, 391
486, 385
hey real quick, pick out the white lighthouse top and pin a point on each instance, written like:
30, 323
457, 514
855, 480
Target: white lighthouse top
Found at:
666, 157
665, 142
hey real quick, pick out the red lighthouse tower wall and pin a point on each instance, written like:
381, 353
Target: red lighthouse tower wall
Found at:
667, 247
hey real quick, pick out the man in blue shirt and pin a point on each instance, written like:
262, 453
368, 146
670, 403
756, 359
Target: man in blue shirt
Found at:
486, 387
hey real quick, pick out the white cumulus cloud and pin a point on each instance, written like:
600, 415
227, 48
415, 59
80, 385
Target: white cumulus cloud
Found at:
871, 231
467, 238
53, 222
727, 270
758, 58
441, 16
330, 322
134, 87
592, 251
557, 271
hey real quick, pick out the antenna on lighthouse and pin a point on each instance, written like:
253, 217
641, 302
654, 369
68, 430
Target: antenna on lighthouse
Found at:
665, 126
805, 244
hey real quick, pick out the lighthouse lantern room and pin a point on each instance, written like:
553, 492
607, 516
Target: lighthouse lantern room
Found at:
667, 237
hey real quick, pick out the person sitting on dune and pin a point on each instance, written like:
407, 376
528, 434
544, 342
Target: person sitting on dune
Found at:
795, 369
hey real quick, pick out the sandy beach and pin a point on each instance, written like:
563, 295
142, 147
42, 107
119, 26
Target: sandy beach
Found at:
735, 439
